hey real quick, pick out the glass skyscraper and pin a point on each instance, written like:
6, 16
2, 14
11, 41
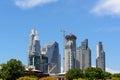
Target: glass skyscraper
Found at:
51, 50
83, 56
34, 53
100, 60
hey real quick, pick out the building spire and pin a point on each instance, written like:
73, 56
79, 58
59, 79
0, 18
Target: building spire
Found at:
33, 32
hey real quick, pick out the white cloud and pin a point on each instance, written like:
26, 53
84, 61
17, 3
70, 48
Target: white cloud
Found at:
112, 71
109, 7
31, 3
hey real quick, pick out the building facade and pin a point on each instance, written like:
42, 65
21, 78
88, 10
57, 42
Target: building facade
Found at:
83, 56
34, 53
51, 50
44, 64
100, 60
70, 52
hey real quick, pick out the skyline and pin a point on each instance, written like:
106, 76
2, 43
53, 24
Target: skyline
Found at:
94, 20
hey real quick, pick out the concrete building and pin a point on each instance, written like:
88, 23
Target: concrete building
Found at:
83, 56
51, 50
70, 52
100, 60
34, 53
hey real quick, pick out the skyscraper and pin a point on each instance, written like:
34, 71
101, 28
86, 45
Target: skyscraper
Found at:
51, 50
100, 60
44, 65
70, 52
83, 56
34, 53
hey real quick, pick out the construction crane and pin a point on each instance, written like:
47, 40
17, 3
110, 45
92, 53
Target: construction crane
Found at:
63, 31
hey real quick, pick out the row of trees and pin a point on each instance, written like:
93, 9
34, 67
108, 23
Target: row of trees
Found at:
90, 73
14, 69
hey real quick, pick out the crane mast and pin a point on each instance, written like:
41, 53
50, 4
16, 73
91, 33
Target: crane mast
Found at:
63, 32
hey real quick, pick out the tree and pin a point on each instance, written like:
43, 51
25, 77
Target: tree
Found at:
12, 70
92, 73
106, 75
74, 74
117, 75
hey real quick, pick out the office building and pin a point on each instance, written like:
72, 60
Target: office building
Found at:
70, 52
34, 53
51, 50
83, 56
44, 64
100, 60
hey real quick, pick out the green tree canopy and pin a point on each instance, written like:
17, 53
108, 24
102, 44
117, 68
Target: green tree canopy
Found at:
92, 73
117, 75
74, 74
12, 70
106, 75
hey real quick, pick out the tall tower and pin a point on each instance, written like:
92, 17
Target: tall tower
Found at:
100, 60
70, 52
83, 56
51, 50
34, 53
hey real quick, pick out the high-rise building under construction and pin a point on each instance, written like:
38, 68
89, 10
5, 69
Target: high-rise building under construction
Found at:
70, 52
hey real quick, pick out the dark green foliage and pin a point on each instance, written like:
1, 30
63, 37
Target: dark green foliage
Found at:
106, 75
117, 75
74, 74
12, 70
92, 73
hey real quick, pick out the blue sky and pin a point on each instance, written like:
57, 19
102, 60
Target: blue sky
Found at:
97, 20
